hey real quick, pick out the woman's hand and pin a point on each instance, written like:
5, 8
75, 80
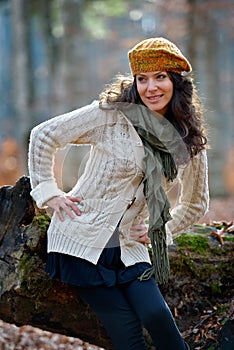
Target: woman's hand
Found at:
139, 232
66, 204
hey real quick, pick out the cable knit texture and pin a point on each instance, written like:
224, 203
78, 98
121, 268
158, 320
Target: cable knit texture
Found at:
111, 179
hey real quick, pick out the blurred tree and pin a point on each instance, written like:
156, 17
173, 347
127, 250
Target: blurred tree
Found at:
192, 32
20, 67
10, 161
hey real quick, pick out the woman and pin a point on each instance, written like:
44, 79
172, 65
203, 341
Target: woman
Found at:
146, 132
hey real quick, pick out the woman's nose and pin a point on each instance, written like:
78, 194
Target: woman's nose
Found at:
152, 85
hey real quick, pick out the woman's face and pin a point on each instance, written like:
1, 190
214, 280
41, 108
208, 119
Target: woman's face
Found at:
155, 90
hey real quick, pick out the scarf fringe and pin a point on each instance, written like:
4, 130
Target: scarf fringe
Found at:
161, 265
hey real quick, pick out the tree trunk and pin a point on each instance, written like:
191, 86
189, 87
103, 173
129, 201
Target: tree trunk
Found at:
201, 277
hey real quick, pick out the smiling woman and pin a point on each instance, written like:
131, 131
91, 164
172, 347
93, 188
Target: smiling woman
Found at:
146, 131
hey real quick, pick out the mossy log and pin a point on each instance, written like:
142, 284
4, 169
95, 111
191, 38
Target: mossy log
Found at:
201, 275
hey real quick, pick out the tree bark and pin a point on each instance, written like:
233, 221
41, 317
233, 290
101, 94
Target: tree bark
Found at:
201, 276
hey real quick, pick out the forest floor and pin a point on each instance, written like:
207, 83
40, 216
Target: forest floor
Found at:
30, 338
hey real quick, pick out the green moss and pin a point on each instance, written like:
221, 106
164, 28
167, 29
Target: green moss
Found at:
197, 256
216, 250
25, 265
42, 221
206, 270
212, 347
33, 279
222, 308
184, 262
215, 287
195, 242
228, 238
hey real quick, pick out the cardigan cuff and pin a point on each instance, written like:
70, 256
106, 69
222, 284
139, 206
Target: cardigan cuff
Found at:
169, 235
45, 191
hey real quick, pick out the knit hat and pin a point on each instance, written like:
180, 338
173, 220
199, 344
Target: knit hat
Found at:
157, 54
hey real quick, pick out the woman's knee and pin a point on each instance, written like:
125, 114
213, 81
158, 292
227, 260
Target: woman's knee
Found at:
148, 302
157, 314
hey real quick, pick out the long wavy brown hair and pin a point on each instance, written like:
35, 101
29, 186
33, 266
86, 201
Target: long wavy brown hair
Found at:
185, 111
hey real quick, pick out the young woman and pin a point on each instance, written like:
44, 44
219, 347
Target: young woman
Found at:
146, 133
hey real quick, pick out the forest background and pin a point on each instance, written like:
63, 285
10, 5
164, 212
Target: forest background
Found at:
57, 55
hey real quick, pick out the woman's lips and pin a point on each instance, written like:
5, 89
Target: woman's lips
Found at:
154, 98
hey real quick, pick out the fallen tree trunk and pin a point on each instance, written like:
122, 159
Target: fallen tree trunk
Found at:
201, 277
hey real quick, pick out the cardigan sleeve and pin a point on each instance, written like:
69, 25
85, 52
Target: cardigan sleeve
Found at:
193, 201
80, 126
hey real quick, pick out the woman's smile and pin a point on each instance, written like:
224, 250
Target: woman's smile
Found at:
155, 99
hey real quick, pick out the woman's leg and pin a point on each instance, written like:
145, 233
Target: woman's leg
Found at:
147, 301
120, 321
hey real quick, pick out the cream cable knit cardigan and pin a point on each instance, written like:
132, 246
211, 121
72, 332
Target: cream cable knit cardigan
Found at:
111, 179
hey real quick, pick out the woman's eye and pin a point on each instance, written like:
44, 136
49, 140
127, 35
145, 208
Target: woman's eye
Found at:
141, 79
161, 76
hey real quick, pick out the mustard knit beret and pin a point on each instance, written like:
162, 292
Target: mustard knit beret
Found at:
157, 54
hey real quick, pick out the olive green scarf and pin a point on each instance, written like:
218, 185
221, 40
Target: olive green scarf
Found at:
163, 148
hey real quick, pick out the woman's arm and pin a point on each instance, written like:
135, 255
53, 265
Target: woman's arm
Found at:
74, 127
193, 201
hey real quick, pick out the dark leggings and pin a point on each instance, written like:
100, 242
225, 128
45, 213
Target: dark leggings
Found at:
125, 308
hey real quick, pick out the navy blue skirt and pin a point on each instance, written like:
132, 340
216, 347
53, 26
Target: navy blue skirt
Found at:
109, 270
